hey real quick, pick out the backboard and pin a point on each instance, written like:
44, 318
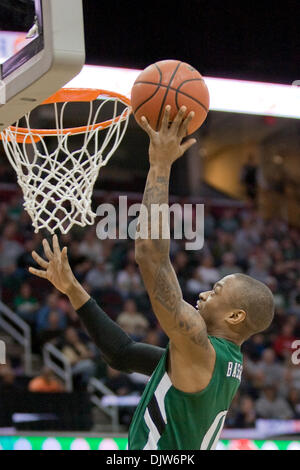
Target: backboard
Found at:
35, 63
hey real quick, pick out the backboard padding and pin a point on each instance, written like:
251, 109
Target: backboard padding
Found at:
59, 55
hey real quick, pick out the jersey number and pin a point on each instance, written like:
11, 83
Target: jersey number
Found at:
218, 423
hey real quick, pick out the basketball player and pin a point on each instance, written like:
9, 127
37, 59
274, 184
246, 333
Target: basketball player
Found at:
193, 380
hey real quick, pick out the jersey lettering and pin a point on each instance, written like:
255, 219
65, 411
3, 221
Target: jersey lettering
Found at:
234, 370
229, 370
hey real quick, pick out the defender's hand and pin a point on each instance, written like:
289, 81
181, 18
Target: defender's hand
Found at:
57, 269
166, 145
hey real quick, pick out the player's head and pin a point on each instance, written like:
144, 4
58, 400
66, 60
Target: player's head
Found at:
237, 307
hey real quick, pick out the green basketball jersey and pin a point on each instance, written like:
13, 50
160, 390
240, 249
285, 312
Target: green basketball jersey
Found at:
169, 419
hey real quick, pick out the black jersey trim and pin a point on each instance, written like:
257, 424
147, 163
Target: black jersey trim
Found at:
156, 415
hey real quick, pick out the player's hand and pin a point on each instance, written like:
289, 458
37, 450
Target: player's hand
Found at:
57, 269
166, 145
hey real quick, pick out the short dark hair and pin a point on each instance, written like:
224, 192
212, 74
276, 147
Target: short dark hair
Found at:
257, 300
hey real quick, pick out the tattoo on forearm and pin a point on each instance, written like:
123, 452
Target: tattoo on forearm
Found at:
156, 192
169, 295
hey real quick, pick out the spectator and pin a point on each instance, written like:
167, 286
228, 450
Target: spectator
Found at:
11, 233
233, 410
255, 346
15, 209
209, 222
90, 247
46, 382
51, 305
79, 356
132, 321
229, 222
246, 416
293, 399
271, 406
65, 306
270, 367
74, 256
195, 284
295, 292
229, 265
99, 277
221, 243
25, 259
247, 237
207, 271
180, 264
182, 268
25, 226
295, 306
271, 247
253, 384
26, 304
10, 249
292, 374
289, 251
283, 343
279, 300
258, 269
129, 281
52, 330
79, 262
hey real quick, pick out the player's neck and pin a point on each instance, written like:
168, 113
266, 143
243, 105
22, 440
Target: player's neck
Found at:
229, 336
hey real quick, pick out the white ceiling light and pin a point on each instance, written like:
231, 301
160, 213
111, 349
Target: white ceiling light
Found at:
236, 96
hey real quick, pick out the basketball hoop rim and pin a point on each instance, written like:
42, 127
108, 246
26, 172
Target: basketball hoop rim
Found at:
68, 95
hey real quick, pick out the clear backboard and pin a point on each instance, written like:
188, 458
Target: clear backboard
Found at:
41, 49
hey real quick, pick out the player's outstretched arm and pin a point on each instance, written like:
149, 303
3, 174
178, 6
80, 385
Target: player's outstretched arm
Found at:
118, 349
182, 322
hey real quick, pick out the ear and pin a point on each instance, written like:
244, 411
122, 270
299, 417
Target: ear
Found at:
235, 317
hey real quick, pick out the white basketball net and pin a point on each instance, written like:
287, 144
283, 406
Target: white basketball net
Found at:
58, 181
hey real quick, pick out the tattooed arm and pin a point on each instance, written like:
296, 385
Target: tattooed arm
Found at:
181, 322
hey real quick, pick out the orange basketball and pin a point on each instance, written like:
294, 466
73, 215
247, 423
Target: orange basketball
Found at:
174, 83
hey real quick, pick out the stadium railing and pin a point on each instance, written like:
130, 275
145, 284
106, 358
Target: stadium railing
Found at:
56, 361
13, 325
97, 391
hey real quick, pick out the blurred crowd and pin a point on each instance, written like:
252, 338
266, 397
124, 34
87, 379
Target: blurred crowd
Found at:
236, 240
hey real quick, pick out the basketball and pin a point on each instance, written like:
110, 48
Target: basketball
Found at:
174, 83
